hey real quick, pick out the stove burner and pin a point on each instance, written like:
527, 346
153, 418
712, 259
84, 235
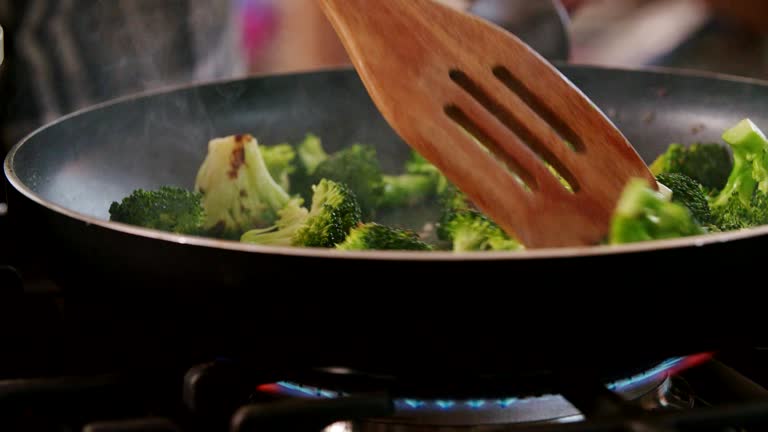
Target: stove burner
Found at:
652, 389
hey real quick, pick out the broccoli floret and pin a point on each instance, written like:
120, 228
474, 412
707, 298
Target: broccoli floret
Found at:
310, 153
421, 182
690, 193
292, 218
406, 190
419, 165
734, 214
470, 231
708, 164
170, 209
643, 214
743, 202
335, 211
452, 198
358, 168
280, 163
373, 236
239, 194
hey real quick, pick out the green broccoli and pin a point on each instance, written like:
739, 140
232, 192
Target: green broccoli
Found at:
280, 163
643, 214
309, 154
170, 209
373, 236
708, 164
453, 200
239, 194
421, 182
335, 211
743, 202
406, 190
292, 218
333, 214
357, 167
418, 165
471, 231
688, 192
467, 229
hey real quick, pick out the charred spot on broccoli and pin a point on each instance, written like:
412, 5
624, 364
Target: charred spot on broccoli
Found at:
170, 209
708, 163
690, 193
373, 236
643, 214
239, 193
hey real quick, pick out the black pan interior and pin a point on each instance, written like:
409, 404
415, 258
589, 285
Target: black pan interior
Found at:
89, 160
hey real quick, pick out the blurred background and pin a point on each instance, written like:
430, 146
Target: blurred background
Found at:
63, 55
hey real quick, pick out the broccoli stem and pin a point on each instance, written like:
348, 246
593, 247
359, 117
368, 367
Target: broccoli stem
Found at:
269, 190
292, 218
468, 241
749, 146
311, 153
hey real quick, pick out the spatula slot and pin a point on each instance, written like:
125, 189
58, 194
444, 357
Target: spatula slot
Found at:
569, 137
485, 142
546, 157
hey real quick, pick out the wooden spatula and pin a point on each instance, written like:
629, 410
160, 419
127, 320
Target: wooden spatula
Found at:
503, 125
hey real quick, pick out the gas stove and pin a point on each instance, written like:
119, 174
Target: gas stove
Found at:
695, 392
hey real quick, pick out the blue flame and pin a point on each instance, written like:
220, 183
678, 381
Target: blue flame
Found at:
658, 370
413, 403
476, 404
301, 390
506, 403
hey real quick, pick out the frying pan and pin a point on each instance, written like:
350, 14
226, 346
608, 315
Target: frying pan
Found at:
605, 309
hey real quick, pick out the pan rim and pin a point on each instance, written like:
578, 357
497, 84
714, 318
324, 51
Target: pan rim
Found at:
530, 254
